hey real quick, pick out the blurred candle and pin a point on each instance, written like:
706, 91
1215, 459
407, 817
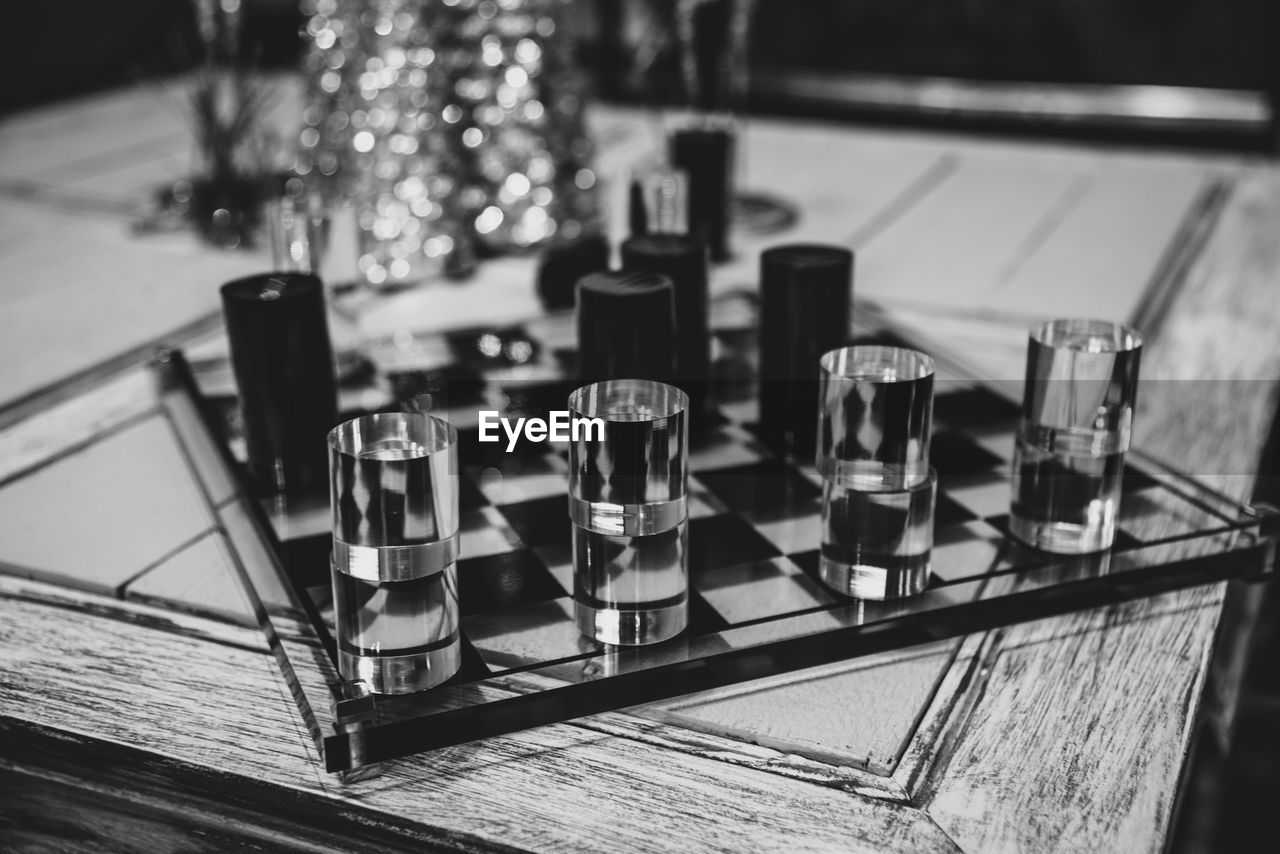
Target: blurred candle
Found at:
626, 327
706, 156
683, 260
283, 363
805, 297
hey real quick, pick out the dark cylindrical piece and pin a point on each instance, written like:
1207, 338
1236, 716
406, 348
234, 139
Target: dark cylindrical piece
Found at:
626, 327
706, 154
283, 364
682, 259
805, 297
637, 213
564, 264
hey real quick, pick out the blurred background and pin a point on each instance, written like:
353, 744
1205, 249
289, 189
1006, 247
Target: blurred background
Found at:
1195, 71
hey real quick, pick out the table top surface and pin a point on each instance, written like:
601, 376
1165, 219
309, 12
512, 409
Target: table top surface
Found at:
1083, 721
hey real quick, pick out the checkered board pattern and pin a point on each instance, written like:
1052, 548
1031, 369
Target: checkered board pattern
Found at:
753, 519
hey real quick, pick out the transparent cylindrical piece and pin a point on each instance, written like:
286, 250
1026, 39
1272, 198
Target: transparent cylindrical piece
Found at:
875, 415
1077, 419
397, 636
628, 482
295, 226
394, 500
664, 192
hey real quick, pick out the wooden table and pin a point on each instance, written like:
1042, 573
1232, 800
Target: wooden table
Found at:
127, 725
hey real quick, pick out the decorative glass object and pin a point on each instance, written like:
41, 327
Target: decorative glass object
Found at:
875, 418
377, 98
1077, 417
394, 500
628, 488
515, 112
452, 123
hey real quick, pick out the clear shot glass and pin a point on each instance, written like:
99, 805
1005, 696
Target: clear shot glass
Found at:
664, 200
394, 499
296, 226
875, 415
628, 482
1077, 419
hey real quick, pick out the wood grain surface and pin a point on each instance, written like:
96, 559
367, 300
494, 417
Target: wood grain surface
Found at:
1111, 787
594, 792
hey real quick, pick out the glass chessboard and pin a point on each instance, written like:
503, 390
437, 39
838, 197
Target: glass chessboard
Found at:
757, 608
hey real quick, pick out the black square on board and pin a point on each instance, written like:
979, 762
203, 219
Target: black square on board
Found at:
1000, 523
473, 453
764, 487
948, 511
952, 453
1125, 541
472, 669
306, 560
469, 495
880, 338
540, 522
808, 563
502, 581
703, 619
974, 407
1135, 480
725, 540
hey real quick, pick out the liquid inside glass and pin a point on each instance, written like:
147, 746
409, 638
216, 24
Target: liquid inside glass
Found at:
1065, 502
398, 636
877, 543
631, 590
